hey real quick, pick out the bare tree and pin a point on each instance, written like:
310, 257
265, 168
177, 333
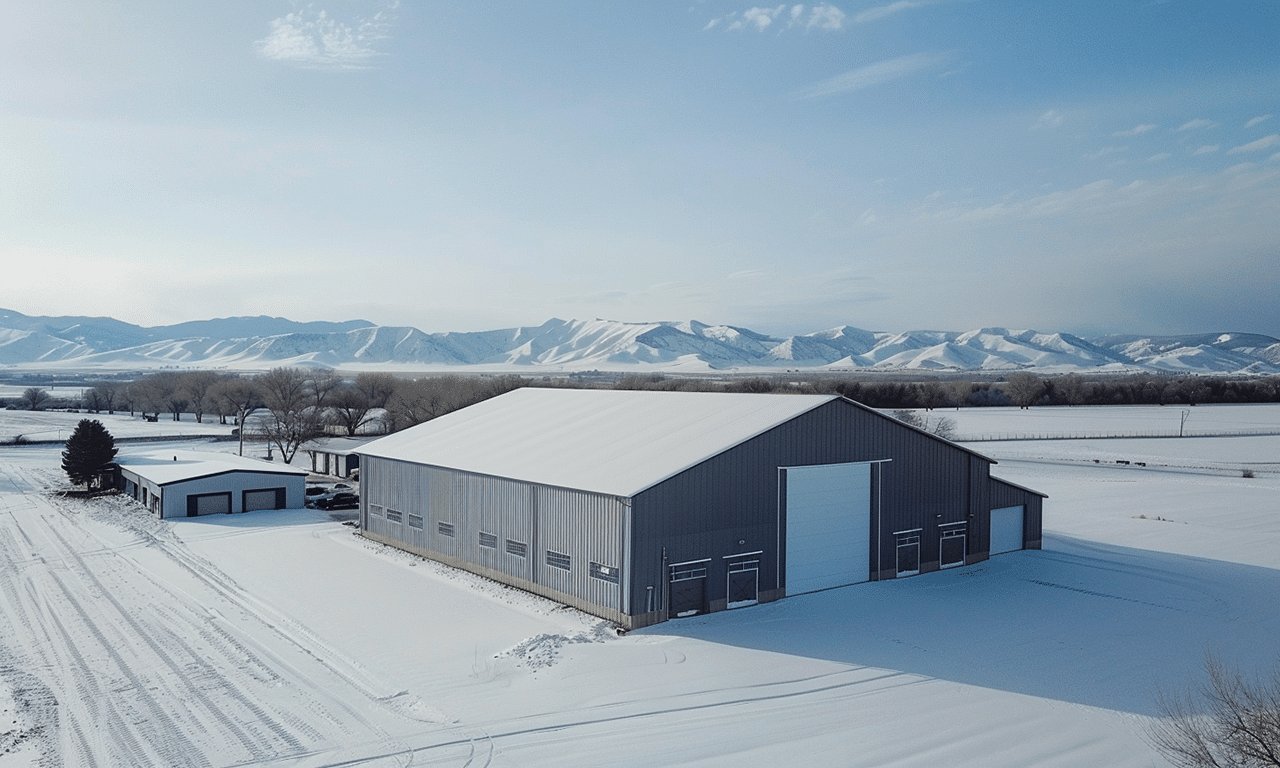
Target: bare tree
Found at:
1024, 389
376, 387
941, 426
320, 385
197, 386
293, 419
349, 407
1228, 722
157, 393
235, 396
417, 400
34, 398
107, 395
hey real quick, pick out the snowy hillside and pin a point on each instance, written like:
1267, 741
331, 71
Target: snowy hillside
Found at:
249, 343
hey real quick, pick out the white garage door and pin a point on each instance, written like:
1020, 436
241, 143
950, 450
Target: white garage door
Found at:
265, 499
1006, 529
828, 509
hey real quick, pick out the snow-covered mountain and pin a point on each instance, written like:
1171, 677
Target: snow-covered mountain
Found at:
249, 343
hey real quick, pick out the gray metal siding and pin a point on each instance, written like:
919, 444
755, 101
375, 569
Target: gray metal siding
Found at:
706, 511
588, 527
727, 505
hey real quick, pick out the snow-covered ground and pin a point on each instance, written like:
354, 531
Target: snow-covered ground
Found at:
58, 425
281, 638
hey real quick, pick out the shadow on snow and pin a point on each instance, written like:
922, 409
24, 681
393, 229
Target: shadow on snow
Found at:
1081, 622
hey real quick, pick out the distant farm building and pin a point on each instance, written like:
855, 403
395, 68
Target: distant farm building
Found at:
336, 456
192, 483
643, 506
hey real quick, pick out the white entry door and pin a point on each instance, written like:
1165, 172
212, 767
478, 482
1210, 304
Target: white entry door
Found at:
828, 514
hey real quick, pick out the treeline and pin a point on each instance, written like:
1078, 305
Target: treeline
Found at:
1017, 389
288, 406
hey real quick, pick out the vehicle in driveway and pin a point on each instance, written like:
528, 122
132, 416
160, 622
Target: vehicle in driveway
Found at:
337, 500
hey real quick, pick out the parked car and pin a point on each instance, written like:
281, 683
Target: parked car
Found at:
337, 500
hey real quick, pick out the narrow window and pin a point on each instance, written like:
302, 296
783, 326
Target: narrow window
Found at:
444, 529
603, 572
488, 540
558, 560
375, 510
415, 521
517, 548
394, 516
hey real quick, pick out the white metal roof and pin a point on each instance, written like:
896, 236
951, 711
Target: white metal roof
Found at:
165, 467
609, 441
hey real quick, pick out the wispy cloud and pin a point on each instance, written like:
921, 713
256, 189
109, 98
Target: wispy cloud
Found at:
1104, 152
824, 16
313, 39
1266, 142
1207, 149
874, 74
1158, 157
1198, 124
1050, 119
1256, 120
884, 11
1136, 130
760, 18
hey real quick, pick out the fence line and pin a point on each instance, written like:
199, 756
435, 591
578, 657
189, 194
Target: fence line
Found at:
997, 436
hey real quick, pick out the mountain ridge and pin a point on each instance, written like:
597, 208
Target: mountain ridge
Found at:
254, 343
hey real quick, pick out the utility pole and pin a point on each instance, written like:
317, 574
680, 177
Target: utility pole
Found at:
1185, 414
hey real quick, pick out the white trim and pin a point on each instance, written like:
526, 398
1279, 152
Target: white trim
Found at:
743, 554
909, 530
837, 464
689, 562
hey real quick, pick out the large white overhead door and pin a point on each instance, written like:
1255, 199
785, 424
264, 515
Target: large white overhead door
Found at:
1006, 529
828, 511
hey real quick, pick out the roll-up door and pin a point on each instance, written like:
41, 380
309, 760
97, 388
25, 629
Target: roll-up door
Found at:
828, 524
267, 498
1006, 529
208, 504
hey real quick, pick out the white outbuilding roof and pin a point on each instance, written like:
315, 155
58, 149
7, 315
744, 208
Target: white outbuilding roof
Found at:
608, 441
165, 467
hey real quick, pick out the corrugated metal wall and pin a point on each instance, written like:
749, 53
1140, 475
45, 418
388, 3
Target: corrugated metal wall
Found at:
724, 507
729, 504
579, 528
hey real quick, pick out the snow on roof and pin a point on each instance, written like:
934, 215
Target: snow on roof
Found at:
165, 467
607, 441
340, 445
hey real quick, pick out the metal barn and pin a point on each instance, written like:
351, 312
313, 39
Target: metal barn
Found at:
643, 506
192, 483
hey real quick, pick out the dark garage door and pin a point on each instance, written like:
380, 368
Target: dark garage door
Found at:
688, 589
743, 584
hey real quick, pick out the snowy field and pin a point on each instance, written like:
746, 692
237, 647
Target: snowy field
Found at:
282, 639
58, 425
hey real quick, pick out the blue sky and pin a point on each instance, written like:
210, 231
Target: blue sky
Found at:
1085, 166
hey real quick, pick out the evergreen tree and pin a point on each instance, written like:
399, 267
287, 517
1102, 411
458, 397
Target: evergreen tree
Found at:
89, 450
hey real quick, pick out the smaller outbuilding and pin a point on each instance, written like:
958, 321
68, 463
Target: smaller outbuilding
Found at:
336, 456
192, 483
